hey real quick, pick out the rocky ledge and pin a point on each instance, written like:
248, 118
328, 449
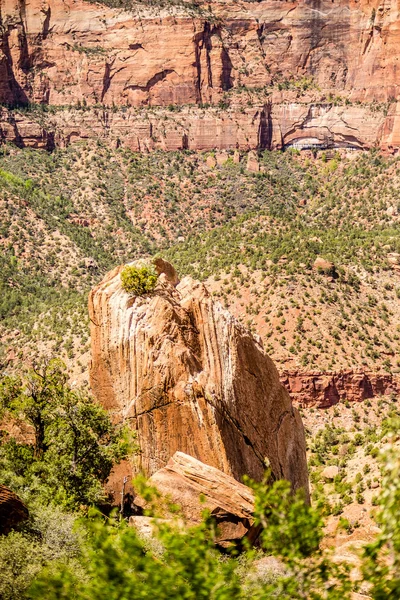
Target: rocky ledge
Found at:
184, 480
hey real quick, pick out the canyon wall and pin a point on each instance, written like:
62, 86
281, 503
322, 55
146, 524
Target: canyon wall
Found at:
186, 376
327, 389
222, 74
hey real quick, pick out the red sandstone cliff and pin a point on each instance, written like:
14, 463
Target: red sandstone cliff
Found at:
188, 377
66, 52
326, 389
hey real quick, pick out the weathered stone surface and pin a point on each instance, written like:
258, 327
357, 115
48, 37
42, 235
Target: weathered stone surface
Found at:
326, 389
211, 162
165, 268
311, 74
330, 473
146, 526
324, 266
184, 479
188, 377
12, 510
252, 163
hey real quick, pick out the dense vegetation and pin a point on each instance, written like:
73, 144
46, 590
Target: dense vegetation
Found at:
66, 446
69, 216
69, 549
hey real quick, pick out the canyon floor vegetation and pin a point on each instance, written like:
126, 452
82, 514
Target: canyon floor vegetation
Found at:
70, 215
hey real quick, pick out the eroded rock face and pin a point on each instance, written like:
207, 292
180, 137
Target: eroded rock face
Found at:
313, 72
12, 510
184, 480
188, 377
326, 389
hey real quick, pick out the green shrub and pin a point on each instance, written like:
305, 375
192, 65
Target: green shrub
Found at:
138, 280
118, 564
75, 444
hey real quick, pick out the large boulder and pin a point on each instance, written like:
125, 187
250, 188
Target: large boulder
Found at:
188, 377
185, 479
12, 510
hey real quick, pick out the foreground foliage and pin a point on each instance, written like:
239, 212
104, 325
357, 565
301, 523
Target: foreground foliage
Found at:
59, 554
117, 563
74, 444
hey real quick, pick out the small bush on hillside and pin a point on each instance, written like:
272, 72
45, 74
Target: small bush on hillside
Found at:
138, 280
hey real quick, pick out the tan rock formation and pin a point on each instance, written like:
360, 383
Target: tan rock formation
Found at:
185, 479
188, 377
12, 510
252, 163
326, 389
312, 73
329, 473
323, 266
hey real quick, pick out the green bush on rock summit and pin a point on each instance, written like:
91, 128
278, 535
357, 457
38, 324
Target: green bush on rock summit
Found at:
138, 280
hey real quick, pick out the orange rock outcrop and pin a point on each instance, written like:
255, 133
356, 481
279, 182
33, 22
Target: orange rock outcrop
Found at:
237, 74
188, 377
184, 480
326, 389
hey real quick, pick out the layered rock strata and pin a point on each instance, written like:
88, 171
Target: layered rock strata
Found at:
190, 128
184, 480
312, 72
188, 377
326, 389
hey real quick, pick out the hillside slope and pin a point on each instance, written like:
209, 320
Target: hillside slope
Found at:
69, 216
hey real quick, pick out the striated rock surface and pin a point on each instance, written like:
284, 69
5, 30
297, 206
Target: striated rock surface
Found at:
184, 479
299, 72
12, 510
326, 389
188, 377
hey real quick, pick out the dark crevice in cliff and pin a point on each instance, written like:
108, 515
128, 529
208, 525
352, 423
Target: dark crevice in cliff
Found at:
185, 142
367, 42
197, 39
264, 137
107, 78
50, 141
203, 44
152, 410
260, 35
25, 60
46, 23
316, 22
136, 47
208, 47
227, 67
226, 417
